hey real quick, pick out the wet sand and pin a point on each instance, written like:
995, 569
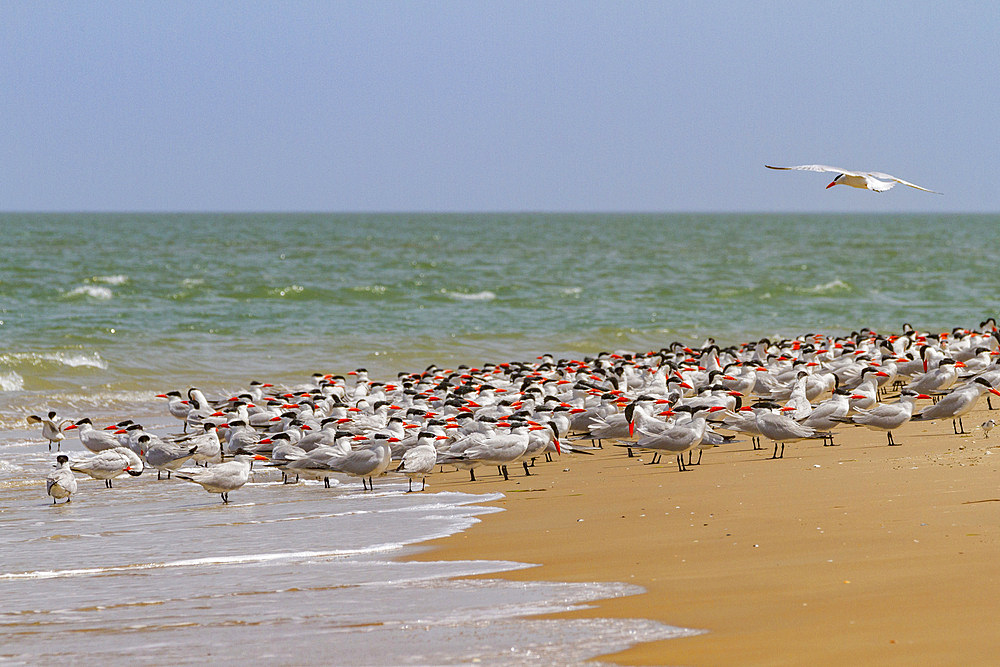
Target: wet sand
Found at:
855, 554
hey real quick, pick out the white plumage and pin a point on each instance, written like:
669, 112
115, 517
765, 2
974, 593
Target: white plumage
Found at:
865, 180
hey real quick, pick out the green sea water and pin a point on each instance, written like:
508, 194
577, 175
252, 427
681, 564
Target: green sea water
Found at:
110, 308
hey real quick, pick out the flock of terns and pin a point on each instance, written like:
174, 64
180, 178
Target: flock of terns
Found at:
673, 401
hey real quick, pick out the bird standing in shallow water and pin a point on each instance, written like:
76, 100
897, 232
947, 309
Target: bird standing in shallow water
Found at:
61, 483
224, 477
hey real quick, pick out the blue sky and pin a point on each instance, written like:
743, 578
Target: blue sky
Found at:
495, 106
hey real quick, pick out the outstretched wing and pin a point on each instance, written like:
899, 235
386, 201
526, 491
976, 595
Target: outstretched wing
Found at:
878, 174
818, 167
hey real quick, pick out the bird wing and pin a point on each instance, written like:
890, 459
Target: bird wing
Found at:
820, 167
878, 174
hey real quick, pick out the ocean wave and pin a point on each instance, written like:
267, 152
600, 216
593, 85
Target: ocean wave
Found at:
92, 291
485, 295
837, 285
71, 359
11, 381
110, 280
289, 290
373, 289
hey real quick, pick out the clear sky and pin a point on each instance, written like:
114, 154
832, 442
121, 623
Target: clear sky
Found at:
495, 106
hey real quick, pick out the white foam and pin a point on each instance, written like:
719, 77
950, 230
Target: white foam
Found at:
485, 295
73, 359
832, 286
110, 280
241, 559
92, 291
11, 381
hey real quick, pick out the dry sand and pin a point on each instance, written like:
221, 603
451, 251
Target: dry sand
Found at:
856, 554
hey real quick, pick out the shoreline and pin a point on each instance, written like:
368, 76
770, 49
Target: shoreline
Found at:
857, 553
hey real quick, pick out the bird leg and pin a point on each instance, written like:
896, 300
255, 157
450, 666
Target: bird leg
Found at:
472, 474
680, 463
892, 443
527, 473
410, 490
503, 469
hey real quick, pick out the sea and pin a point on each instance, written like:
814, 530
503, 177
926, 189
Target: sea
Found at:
100, 312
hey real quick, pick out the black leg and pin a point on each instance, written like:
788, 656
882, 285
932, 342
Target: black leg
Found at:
527, 473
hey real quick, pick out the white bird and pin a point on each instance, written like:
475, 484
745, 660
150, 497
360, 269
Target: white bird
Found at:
366, 462
957, 403
224, 477
987, 426
779, 428
499, 449
94, 440
52, 428
164, 456
865, 180
888, 416
676, 440
109, 464
61, 483
419, 460
936, 379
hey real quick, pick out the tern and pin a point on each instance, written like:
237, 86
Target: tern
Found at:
94, 440
956, 404
779, 428
61, 483
419, 460
52, 428
865, 180
110, 463
223, 477
887, 416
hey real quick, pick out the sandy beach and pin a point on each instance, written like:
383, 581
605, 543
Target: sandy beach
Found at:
855, 554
